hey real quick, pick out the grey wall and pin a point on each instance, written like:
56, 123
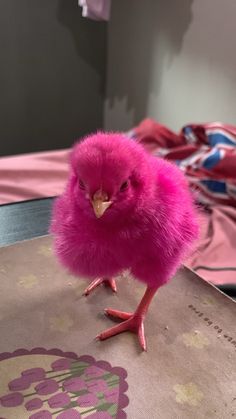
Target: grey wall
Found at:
172, 60
52, 69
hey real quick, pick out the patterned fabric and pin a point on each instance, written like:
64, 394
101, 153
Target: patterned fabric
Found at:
205, 152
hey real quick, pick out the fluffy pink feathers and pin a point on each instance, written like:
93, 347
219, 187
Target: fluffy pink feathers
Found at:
150, 226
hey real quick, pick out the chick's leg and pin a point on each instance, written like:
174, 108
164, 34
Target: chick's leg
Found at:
133, 322
110, 282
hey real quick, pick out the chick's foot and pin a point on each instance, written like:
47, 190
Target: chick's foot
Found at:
131, 322
110, 282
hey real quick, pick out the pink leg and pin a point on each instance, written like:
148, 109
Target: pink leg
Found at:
132, 322
110, 282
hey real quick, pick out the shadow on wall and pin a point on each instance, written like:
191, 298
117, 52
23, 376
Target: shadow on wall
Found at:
85, 36
139, 33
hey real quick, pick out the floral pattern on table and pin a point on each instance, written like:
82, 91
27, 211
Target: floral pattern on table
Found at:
56, 385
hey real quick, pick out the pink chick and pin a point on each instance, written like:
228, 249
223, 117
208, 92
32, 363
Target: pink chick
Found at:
123, 209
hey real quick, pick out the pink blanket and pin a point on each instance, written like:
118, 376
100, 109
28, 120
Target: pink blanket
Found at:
215, 258
30, 176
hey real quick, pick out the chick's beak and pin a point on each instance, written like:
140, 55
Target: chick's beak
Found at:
100, 203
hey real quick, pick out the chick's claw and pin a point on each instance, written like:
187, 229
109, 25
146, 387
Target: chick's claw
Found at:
110, 282
117, 314
133, 323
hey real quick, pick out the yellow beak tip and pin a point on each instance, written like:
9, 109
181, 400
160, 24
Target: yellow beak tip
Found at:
100, 207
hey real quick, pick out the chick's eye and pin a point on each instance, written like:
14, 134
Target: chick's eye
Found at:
81, 184
124, 186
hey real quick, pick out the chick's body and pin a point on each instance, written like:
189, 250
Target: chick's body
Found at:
149, 226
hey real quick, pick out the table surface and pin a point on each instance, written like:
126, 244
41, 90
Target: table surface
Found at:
26, 220
187, 373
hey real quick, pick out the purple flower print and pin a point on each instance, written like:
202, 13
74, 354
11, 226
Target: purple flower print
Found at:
21, 383
34, 374
61, 364
42, 414
12, 400
69, 414
34, 404
99, 415
46, 387
87, 400
112, 395
59, 400
96, 386
94, 371
74, 384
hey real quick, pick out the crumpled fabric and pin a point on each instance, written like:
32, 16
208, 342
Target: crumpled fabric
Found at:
206, 153
95, 9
